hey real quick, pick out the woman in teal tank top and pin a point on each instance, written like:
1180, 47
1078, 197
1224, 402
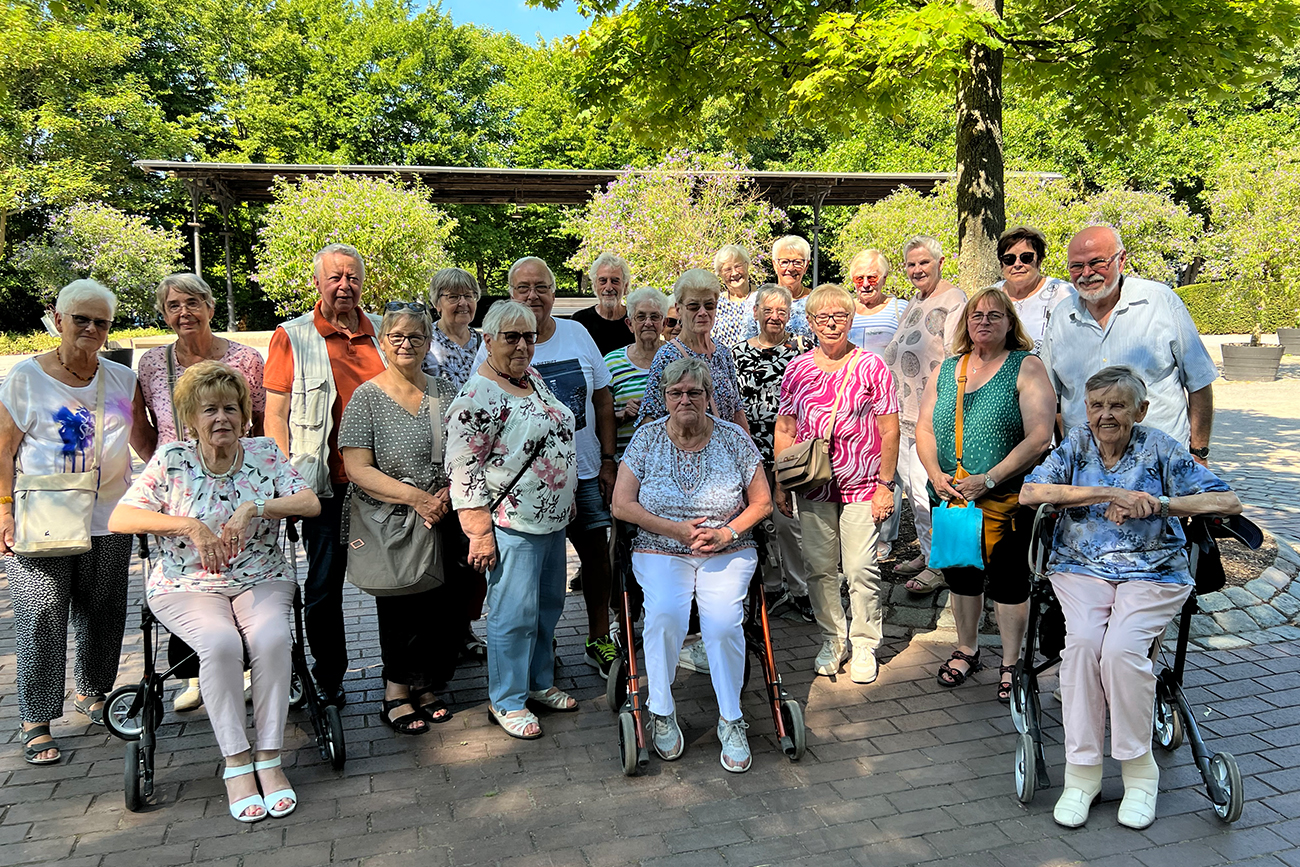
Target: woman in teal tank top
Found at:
1008, 410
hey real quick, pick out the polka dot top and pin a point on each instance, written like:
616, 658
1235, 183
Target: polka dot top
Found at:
991, 420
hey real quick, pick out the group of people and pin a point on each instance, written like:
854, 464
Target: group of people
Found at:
669, 414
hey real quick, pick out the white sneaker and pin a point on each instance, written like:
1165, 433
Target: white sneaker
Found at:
666, 736
735, 745
832, 655
864, 668
189, 698
694, 658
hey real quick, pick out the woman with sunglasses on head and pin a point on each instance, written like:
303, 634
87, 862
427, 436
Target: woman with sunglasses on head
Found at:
1021, 251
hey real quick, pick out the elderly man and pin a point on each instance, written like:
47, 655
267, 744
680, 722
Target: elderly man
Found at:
313, 365
572, 366
1119, 319
606, 320
790, 256
1021, 251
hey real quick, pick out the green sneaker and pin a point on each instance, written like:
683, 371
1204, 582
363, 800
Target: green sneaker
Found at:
601, 654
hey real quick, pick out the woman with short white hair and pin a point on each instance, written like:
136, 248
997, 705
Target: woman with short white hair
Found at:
790, 257
734, 322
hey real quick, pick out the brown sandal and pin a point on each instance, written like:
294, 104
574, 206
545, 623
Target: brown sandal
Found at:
950, 677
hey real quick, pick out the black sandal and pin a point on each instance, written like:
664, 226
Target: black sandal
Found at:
31, 751
950, 677
87, 706
1004, 686
431, 704
405, 724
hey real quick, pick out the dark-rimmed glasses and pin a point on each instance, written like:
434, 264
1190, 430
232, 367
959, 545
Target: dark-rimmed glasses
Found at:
84, 322
415, 341
1027, 257
1093, 264
513, 337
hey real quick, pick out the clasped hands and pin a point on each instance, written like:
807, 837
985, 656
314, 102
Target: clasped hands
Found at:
216, 552
1131, 504
700, 539
432, 507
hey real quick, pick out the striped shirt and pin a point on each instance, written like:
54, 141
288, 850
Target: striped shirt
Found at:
873, 331
628, 384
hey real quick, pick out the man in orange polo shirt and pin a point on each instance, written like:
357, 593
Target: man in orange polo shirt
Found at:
314, 364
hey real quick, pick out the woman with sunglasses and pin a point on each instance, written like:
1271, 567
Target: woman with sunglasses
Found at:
385, 439
1021, 251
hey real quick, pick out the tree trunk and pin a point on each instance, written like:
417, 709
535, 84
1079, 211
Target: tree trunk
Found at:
981, 204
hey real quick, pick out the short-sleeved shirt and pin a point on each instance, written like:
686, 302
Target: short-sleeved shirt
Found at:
1149, 330
175, 483
490, 433
58, 425
758, 372
920, 345
678, 485
722, 366
448, 359
873, 331
627, 383
1140, 549
152, 371
734, 321
808, 394
354, 358
1035, 311
608, 334
991, 422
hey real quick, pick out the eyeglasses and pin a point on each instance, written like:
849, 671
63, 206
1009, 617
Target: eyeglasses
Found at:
828, 318
513, 337
1093, 264
693, 307
670, 322
415, 341
993, 317
791, 263
189, 305
676, 394
779, 312
868, 279
413, 306
647, 317
84, 322
535, 288
455, 299
1025, 258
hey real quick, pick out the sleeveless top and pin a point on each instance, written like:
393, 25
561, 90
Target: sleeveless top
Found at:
991, 420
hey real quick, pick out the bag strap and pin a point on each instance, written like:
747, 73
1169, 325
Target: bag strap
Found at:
686, 353
844, 384
171, 389
537, 450
435, 418
961, 400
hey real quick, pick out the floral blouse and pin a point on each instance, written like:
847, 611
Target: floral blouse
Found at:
734, 321
152, 372
175, 483
758, 372
726, 393
490, 433
448, 359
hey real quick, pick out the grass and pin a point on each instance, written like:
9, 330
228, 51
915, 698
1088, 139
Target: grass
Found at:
12, 343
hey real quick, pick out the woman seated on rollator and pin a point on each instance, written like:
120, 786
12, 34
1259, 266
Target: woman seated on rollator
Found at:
222, 581
1119, 567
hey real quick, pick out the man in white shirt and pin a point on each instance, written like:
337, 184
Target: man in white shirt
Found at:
1021, 251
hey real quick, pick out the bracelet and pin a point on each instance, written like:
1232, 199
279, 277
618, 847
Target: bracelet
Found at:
4, 501
606, 457
1164, 508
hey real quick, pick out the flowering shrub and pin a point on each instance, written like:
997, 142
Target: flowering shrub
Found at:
400, 236
674, 216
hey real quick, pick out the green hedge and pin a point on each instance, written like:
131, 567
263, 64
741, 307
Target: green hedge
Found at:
1217, 308
13, 343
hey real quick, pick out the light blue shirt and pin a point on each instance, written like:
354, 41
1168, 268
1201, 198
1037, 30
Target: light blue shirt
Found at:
1149, 330
1146, 549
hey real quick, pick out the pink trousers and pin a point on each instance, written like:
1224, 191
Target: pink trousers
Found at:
218, 627
1109, 628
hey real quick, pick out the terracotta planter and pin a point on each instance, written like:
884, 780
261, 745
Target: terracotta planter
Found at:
1241, 361
1290, 340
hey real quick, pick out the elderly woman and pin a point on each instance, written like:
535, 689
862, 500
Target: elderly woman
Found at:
931, 321
454, 293
222, 584
790, 257
67, 411
1021, 251
696, 296
186, 304
761, 362
734, 322
692, 484
672, 323
1007, 412
847, 396
386, 438
1119, 567
630, 366
510, 453
606, 320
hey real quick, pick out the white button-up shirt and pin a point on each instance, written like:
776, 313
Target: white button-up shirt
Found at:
1150, 331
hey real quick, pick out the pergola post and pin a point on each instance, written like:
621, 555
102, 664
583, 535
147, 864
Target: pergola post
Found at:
818, 198
231, 323
194, 226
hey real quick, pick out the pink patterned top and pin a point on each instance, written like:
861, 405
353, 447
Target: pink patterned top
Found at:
152, 373
808, 393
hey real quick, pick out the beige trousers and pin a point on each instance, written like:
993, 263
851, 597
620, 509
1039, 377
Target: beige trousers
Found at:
835, 534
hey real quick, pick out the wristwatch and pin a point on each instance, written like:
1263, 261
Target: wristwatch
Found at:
1202, 453
891, 484
735, 537
1164, 508
261, 507
989, 482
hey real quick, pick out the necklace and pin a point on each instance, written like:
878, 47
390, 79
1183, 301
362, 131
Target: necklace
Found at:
521, 382
987, 362
229, 471
59, 355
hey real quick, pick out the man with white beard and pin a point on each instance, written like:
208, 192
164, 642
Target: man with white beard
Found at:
1122, 319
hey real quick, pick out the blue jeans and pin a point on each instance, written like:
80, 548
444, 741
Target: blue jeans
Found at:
525, 597
322, 597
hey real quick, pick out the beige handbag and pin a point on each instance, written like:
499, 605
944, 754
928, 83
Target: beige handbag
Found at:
52, 512
807, 465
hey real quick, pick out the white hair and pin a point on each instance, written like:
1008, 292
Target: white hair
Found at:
84, 290
646, 295
696, 280
529, 260
1120, 376
187, 284
925, 242
730, 253
767, 290
788, 241
505, 313
609, 260
872, 257
339, 250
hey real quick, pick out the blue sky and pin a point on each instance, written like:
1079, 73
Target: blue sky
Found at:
517, 17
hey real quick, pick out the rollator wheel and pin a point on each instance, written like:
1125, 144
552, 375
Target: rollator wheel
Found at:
792, 717
616, 684
131, 773
334, 737
118, 718
297, 695
1020, 703
1026, 768
627, 743
1168, 727
1224, 768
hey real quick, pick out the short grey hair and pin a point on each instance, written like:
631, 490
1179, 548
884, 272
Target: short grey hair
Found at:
85, 290
1119, 242
610, 260
730, 253
1119, 375
339, 250
528, 260
505, 313
392, 317
683, 368
924, 242
696, 280
867, 258
186, 284
646, 295
446, 279
769, 290
788, 241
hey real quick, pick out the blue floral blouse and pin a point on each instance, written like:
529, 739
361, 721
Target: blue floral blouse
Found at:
1138, 550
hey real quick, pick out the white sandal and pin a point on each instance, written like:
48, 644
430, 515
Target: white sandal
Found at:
238, 808
554, 699
516, 722
273, 798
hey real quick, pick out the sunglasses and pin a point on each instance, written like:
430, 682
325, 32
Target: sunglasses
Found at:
84, 322
513, 337
1025, 258
413, 306
670, 322
869, 279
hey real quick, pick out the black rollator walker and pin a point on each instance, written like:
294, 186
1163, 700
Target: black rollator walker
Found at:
135, 712
1174, 720
623, 685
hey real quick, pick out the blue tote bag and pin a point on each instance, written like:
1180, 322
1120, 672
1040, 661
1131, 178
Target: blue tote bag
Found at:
958, 531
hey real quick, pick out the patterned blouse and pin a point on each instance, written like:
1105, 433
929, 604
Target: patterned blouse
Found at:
990, 418
489, 435
759, 372
1147, 549
152, 372
450, 360
808, 393
734, 321
680, 485
726, 392
920, 345
175, 483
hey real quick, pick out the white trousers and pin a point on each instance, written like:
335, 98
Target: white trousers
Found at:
914, 479
1109, 628
836, 533
719, 585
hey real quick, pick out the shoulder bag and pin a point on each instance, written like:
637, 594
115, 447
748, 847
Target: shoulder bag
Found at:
392, 553
807, 465
52, 512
